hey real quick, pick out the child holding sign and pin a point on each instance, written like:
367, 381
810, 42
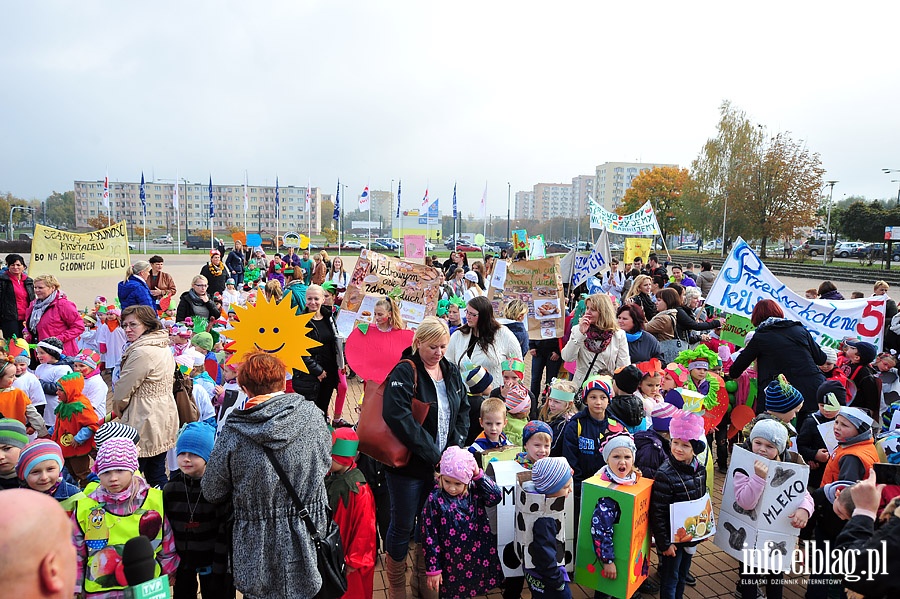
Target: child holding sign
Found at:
769, 440
680, 479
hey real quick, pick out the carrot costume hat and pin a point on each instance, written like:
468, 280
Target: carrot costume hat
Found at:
76, 420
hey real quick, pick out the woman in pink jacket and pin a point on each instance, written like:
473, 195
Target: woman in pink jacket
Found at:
51, 314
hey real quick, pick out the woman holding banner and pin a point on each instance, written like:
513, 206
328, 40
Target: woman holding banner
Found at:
781, 346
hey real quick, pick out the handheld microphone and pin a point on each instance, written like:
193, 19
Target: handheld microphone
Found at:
139, 566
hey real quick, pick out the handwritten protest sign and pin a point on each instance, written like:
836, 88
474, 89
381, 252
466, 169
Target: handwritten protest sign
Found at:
744, 280
762, 535
637, 246
640, 222
538, 283
735, 329
414, 285
520, 240
596, 261
64, 254
414, 246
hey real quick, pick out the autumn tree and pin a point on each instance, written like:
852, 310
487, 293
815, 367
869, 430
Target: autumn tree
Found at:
98, 222
663, 187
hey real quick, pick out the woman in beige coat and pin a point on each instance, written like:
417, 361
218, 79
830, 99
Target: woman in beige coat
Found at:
597, 344
142, 396
662, 326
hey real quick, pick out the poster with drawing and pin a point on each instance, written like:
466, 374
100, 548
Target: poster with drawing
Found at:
538, 283
762, 535
502, 518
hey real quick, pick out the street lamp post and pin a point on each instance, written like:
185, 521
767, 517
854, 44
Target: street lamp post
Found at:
898, 190
341, 222
508, 196
10, 224
828, 221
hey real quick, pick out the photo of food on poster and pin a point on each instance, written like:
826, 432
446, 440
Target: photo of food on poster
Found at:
377, 274
538, 283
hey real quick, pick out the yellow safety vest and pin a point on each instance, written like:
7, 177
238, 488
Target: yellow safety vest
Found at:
105, 535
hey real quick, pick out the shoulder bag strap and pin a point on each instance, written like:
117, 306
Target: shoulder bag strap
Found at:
588, 373
313, 531
675, 327
415, 373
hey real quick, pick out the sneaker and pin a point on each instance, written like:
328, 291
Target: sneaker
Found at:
690, 580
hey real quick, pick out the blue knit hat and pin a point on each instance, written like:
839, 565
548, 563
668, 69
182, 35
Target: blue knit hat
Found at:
549, 475
196, 438
12, 432
533, 427
781, 396
478, 380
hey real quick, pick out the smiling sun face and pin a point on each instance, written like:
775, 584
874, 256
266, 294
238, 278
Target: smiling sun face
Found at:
273, 328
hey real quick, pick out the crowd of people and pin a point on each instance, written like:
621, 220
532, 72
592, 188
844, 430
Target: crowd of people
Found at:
135, 419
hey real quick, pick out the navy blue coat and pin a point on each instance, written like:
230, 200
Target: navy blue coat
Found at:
135, 292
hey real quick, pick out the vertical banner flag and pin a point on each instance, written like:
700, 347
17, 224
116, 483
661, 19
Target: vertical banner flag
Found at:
106, 191
484, 201
337, 203
246, 197
212, 207
425, 199
308, 195
364, 199
586, 266
143, 195
744, 280
399, 182
277, 201
454, 201
175, 194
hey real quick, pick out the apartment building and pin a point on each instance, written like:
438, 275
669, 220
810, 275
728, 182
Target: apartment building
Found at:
613, 179
524, 205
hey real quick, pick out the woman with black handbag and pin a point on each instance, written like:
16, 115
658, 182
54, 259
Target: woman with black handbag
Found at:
270, 458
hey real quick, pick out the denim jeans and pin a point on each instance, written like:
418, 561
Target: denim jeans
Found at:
672, 572
539, 364
408, 496
154, 470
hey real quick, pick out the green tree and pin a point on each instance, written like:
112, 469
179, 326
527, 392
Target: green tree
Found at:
663, 187
60, 209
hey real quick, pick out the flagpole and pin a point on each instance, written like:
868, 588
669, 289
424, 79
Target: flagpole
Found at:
177, 214
246, 201
145, 228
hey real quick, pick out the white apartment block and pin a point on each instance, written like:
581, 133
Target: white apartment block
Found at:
552, 200
193, 206
525, 205
614, 178
582, 189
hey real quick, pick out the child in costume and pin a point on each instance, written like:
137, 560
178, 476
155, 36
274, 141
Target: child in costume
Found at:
86, 363
113, 345
769, 440
551, 477
519, 400
353, 508
197, 524
76, 423
51, 368
680, 478
699, 362
40, 468
831, 396
455, 518
15, 403
121, 508
653, 446
860, 355
252, 274
88, 338
492, 421
13, 439
649, 389
231, 295
557, 410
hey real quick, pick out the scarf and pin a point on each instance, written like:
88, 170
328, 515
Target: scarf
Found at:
339, 486
608, 475
523, 460
632, 337
216, 271
197, 299
37, 312
596, 340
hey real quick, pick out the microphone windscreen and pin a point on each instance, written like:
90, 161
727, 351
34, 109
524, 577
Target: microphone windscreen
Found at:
138, 561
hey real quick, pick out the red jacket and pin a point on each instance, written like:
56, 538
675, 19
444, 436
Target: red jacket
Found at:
61, 320
356, 521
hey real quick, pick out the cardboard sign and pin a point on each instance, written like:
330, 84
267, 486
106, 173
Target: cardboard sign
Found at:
735, 329
519, 240
826, 429
414, 246
503, 516
537, 247
637, 246
640, 222
291, 239
65, 255
538, 283
744, 280
497, 454
531, 506
498, 277
631, 535
692, 520
378, 275
763, 535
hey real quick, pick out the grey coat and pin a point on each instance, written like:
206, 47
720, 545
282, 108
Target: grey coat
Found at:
274, 555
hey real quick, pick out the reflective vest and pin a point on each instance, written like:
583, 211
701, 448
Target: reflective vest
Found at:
105, 535
864, 450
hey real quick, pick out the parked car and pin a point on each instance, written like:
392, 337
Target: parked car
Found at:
558, 248
429, 247
502, 245
380, 245
843, 250
25, 237
388, 242
131, 246
352, 245
816, 247
163, 239
490, 248
687, 247
195, 242
616, 247
467, 247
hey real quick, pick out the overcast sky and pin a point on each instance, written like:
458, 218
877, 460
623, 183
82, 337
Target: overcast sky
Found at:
432, 93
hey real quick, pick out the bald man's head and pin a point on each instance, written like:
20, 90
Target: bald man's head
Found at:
37, 558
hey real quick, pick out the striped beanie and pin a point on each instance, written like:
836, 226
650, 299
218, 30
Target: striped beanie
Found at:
517, 400
478, 380
662, 415
116, 430
12, 432
116, 454
549, 475
781, 396
34, 453
595, 382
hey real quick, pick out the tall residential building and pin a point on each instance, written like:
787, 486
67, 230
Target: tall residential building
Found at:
582, 189
552, 200
525, 204
193, 206
614, 178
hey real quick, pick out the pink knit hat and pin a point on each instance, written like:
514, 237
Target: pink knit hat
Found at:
116, 454
458, 463
687, 426
517, 400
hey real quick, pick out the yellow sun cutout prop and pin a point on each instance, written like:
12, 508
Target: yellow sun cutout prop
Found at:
273, 328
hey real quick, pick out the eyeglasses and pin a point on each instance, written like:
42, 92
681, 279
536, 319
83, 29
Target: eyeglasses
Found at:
200, 285
471, 315
130, 325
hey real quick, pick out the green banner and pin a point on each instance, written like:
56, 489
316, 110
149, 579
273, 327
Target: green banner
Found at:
735, 329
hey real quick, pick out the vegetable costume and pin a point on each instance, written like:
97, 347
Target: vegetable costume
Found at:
73, 414
715, 397
353, 505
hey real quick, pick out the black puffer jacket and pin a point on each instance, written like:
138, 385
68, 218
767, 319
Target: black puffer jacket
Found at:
8, 310
422, 438
782, 346
193, 306
674, 482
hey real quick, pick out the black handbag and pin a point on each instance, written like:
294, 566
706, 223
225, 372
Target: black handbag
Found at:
329, 549
670, 348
